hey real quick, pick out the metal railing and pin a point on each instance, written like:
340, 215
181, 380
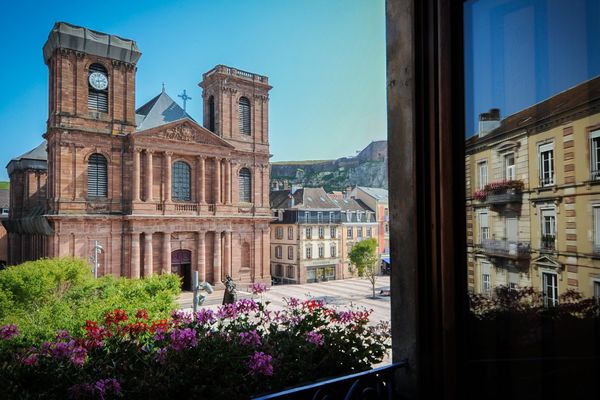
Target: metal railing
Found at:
548, 242
509, 196
547, 181
377, 383
506, 248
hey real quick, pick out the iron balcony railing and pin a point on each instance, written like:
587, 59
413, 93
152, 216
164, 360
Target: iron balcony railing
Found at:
510, 196
595, 175
548, 242
377, 383
506, 248
547, 181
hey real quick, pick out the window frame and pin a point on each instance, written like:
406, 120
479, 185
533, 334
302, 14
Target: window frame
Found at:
510, 170
548, 215
176, 178
245, 116
547, 177
482, 178
245, 185
290, 234
100, 191
544, 273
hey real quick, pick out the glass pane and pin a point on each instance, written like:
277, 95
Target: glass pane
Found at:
532, 84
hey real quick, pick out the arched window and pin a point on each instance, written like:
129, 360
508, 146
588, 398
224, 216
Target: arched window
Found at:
211, 113
244, 111
97, 176
245, 186
181, 181
98, 88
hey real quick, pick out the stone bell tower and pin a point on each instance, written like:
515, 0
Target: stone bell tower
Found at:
92, 80
236, 107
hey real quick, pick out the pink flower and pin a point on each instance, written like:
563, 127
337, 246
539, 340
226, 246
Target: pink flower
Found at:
8, 331
31, 359
315, 338
78, 355
293, 302
205, 316
258, 288
260, 364
246, 305
251, 338
227, 311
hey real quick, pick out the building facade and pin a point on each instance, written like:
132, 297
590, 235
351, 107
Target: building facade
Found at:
377, 199
4, 208
533, 197
158, 191
305, 236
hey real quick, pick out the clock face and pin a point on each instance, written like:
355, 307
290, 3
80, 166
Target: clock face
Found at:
98, 80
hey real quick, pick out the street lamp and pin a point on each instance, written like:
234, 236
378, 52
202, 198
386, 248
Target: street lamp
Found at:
97, 250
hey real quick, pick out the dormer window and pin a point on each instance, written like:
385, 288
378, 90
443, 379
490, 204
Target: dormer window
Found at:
98, 88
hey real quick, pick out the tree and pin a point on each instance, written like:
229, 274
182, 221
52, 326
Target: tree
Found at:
364, 257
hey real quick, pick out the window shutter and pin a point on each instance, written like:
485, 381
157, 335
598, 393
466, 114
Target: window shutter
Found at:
245, 186
97, 176
244, 116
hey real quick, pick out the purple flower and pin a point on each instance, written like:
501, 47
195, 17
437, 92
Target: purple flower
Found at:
182, 317
107, 386
260, 364
183, 338
205, 316
159, 335
63, 335
62, 349
31, 359
78, 355
161, 356
258, 288
293, 302
251, 338
315, 338
227, 311
8, 331
246, 305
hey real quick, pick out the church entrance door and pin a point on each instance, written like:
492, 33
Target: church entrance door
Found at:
181, 264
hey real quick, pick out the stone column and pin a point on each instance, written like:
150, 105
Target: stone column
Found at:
149, 174
201, 177
136, 175
228, 184
217, 180
148, 267
227, 254
201, 267
217, 260
135, 255
168, 176
166, 269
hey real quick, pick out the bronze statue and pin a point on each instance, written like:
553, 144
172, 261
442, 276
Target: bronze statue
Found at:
230, 295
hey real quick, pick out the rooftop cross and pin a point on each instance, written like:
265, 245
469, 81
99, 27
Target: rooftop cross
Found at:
184, 97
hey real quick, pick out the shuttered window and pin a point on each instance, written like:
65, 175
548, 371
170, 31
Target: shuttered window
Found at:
211, 113
97, 176
181, 181
244, 111
97, 99
245, 185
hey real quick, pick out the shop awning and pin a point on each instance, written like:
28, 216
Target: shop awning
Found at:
386, 260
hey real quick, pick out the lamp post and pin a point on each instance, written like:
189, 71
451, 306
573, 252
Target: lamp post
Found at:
97, 250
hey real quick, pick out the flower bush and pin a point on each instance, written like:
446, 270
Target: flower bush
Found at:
239, 350
498, 187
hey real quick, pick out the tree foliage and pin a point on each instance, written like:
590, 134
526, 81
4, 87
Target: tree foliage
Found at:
364, 257
47, 295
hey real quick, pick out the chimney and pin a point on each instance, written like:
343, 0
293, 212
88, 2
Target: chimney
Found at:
489, 121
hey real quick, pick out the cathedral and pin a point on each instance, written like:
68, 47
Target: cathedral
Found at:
155, 190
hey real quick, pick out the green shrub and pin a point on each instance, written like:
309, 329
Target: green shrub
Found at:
47, 295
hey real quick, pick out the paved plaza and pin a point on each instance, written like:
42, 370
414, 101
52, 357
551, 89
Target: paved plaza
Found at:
340, 293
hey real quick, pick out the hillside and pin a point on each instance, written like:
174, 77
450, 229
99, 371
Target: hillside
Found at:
368, 168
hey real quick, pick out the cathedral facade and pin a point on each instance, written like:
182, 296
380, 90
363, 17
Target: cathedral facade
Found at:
158, 192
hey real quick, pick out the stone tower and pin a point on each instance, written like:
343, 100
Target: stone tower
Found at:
92, 80
236, 107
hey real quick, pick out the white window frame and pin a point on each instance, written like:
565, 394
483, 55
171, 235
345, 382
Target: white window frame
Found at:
349, 233
279, 232
308, 252
596, 228
510, 170
486, 278
482, 174
332, 232
369, 232
278, 252
547, 177
547, 215
321, 232
596, 290
482, 216
333, 250
308, 233
290, 233
321, 251
595, 155
549, 301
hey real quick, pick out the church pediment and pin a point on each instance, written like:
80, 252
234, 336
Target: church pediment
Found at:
185, 131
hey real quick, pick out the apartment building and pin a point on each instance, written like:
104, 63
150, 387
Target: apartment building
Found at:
357, 222
377, 199
305, 236
533, 197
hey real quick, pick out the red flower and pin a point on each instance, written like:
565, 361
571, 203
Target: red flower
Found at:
141, 314
115, 317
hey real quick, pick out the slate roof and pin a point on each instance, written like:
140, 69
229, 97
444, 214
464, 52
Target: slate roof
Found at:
376, 193
36, 158
4, 198
305, 198
160, 110
351, 205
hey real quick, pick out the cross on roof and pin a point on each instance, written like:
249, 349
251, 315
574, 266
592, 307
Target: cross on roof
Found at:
185, 98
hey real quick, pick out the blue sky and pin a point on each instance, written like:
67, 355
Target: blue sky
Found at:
521, 52
325, 60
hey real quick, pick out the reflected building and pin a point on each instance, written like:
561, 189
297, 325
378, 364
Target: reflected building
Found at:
533, 197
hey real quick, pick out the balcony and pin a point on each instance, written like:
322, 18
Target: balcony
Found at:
506, 249
510, 196
548, 242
